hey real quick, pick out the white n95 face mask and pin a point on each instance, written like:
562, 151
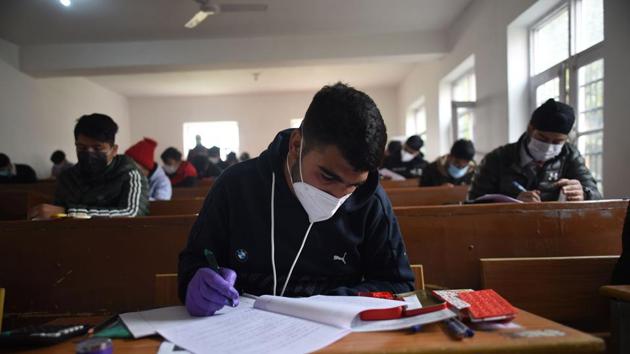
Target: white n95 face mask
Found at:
318, 204
542, 151
170, 169
406, 156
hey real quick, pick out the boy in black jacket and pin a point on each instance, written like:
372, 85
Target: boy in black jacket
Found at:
306, 217
102, 183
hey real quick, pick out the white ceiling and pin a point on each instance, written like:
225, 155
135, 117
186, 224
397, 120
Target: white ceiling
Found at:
223, 82
355, 41
48, 22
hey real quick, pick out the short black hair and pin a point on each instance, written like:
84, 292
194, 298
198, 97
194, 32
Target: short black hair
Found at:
415, 142
4, 160
463, 149
394, 147
97, 126
57, 157
214, 151
347, 118
171, 153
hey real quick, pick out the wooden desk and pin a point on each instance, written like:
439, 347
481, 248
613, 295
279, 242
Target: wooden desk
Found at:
432, 339
620, 316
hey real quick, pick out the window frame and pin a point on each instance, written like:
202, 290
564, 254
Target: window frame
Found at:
455, 105
413, 115
567, 70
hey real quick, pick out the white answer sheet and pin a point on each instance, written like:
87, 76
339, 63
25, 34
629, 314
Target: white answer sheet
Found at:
271, 324
147, 323
253, 331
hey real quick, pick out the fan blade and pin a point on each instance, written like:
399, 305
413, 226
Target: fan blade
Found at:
197, 19
243, 7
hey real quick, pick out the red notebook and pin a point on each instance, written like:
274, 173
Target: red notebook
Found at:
487, 305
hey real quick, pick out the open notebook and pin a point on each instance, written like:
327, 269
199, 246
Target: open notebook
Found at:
271, 323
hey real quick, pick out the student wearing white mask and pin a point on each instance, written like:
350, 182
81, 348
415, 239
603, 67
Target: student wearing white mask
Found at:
455, 168
408, 161
306, 217
542, 165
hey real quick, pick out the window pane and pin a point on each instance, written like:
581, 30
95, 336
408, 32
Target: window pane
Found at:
591, 96
421, 120
591, 147
589, 23
410, 126
464, 88
416, 122
551, 41
465, 120
221, 134
550, 89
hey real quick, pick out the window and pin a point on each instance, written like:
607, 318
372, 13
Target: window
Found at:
416, 123
566, 63
295, 123
464, 95
221, 134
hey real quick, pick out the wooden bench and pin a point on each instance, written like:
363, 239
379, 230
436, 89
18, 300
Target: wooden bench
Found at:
15, 204
449, 241
175, 207
407, 183
190, 192
563, 289
45, 187
416, 196
67, 267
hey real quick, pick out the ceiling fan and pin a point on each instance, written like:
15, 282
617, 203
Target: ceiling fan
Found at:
206, 8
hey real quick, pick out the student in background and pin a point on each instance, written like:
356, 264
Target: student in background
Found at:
455, 168
306, 217
159, 184
541, 165
407, 161
60, 164
102, 183
244, 157
231, 159
198, 150
15, 172
181, 173
214, 154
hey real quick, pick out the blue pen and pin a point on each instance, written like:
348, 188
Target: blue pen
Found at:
519, 186
458, 329
212, 263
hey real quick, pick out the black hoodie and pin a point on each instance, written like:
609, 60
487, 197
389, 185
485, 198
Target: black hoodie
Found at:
359, 249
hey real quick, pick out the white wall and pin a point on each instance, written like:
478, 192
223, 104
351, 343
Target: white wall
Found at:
616, 112
37, 116
480, 31
259, 116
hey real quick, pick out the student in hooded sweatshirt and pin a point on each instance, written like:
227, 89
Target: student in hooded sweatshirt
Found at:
306, 217
159, 184
102, 183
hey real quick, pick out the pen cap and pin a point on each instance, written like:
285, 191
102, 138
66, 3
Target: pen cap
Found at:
95, 346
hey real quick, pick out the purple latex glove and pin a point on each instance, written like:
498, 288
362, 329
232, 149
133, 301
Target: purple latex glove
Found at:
208, 291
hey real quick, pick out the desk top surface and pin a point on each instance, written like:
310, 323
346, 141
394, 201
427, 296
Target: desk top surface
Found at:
537, 335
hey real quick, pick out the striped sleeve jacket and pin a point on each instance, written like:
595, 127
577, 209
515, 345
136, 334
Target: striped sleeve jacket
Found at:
121, 191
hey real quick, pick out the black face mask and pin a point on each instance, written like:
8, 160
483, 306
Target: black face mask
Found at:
92, 164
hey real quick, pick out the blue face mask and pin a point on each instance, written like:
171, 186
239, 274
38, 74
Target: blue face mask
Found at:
457, 172
5, 173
